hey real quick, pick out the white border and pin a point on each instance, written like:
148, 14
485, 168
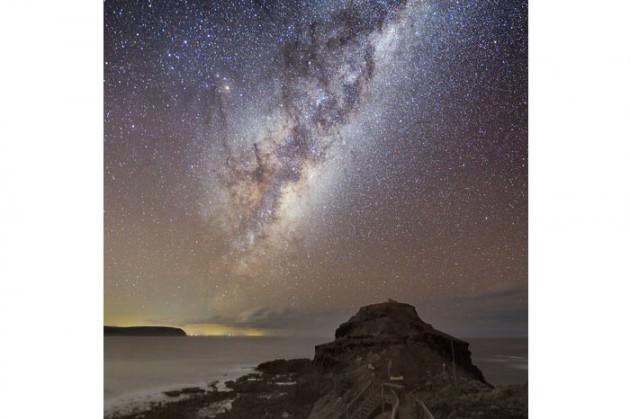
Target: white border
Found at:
51, 208
51, 213
579, 208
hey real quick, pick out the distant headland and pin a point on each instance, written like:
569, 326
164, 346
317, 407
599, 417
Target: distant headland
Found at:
143, 331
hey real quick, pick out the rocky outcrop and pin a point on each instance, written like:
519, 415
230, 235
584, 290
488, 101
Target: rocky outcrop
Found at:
393, 339
143, 331
285, 366
386, 358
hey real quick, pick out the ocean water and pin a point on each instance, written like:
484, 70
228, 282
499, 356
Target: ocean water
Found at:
502, 361
139, 369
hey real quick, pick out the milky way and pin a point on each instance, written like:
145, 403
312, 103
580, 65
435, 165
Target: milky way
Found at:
274, 164
324, 73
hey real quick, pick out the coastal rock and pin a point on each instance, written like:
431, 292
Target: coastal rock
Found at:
391, 339
284, 366
143, 331
386, 358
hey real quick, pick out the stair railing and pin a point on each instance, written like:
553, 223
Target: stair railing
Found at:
396, 404
351, 403
422, 411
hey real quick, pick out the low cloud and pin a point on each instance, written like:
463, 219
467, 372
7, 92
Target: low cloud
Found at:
495, 314
268, 318
259, 317
280, 321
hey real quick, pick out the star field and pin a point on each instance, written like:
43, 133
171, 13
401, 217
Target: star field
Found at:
271, 165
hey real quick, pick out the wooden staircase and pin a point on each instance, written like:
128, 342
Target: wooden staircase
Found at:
367, 408
372, 398
366, 402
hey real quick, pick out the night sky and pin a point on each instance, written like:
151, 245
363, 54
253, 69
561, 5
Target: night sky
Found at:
270, 166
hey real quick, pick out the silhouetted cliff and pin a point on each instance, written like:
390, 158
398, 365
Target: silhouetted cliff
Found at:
143, 331
393, 336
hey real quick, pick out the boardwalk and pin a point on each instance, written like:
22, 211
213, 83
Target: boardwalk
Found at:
388, 399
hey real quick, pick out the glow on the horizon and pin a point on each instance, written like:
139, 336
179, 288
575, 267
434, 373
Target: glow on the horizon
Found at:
213, 329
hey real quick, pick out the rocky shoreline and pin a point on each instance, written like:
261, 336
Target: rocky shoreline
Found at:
383, 360
281, 388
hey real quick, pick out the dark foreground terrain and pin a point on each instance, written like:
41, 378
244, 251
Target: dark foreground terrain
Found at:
384, 360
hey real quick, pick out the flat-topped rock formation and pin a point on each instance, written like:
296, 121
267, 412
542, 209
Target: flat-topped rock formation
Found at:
386, 356
143, 331
393, 340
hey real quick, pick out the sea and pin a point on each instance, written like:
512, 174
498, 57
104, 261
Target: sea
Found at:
138, 370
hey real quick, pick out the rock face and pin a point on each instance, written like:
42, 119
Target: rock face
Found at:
143, 331
386, 359
396, 342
